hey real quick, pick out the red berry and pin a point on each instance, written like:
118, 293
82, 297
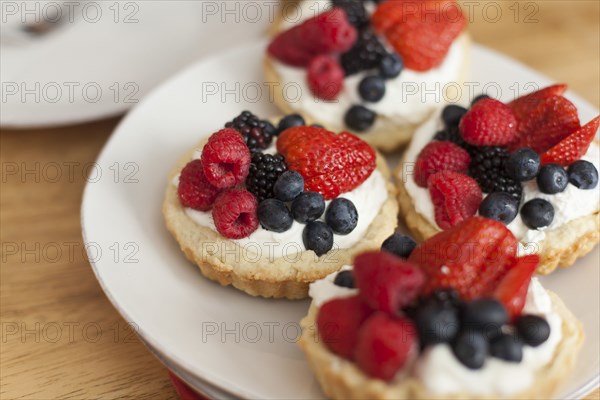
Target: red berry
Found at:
489, 122
440, 156
386, 282
338, 322
234, 213
574, 146
455, 197
194, 190
325, 77
513, 287
226, 159
385, 344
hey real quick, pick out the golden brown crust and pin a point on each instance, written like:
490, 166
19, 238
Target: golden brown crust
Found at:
341, 379
228, 263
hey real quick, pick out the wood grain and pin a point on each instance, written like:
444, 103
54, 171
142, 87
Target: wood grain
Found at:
51, 306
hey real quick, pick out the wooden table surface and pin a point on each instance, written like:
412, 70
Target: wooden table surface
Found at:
61, 338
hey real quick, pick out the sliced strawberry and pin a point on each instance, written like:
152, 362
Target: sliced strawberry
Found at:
384, 345
387, 282
468, 257
574, 146
524, 105
455, 197
339, 321
512, 289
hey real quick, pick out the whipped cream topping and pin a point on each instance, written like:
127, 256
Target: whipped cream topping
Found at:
568, 205
409, 98
441, 372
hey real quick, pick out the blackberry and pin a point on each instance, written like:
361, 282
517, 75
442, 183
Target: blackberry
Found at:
355, 9
487, 168
257, 134
264, 171
366, 53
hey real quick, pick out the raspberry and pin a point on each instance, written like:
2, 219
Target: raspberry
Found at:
455, 197
366, 53
258, 134
338, 322
440, 156
234, 213
386, 282
512, 288
330, 164
264, 171
226, 159
489, 170
489, 122
194, 190
385, 345
574, 146
325, 77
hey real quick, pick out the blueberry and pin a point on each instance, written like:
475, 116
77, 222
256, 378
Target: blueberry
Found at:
452, 114
480, 97
486, 316
359, 118
345, 279
471, 348
507, 347
436, 323
448, 297
341, 216
499, 206
290, 121
552, 179
537, 213
583, 174
523, 164
274, 215
391, 65
318, 237
533, 330
399, 244
288, 186
308, 206
372, 88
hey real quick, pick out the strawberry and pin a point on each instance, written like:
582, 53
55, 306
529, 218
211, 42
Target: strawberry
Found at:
524, 105
330, 164
420, 32
488, 122
386, 282
470, 257
512, 288
574, 146
455, 197
338, 322
440, 156
384, 346
325, 77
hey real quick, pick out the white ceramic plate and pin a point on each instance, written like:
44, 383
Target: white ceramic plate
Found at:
111, 55
238, 344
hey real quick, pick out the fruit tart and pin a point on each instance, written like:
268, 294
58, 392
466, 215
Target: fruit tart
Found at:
529, 163
270, 209
460, 317
376, 68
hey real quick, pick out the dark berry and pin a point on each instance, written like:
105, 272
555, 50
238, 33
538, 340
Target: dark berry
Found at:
391, 65
359, 118
265, 169
318, 237
533, 330
485, 315
341, 216
436, 323
257, 134
345, 279
288, 186
290, 121
507, 347
399, 244
552, 179
308, 206
488, 169
452, 114
499, 206
372, 88
355, 10
583, 174
523, 164
480, 97
448, 297
452, 134
471, 349
366, 53
537, 213
274, 215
